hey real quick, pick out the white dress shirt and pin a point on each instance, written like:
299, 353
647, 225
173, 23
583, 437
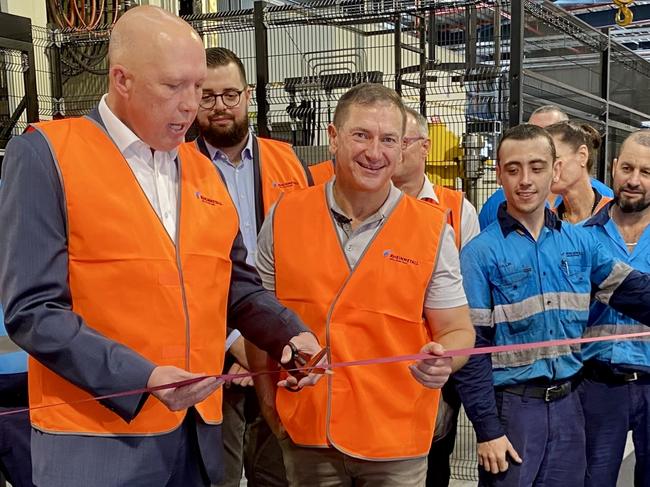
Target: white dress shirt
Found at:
155, 171
469, 226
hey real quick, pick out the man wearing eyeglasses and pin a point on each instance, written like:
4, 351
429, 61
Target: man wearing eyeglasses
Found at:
257, 171
409, 176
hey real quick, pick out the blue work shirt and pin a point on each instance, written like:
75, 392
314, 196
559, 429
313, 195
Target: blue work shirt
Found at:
523, 290
490, 208
240, 180
624, 355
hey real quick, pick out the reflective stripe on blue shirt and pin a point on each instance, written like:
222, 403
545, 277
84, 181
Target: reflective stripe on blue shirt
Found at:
535, 291
604, 320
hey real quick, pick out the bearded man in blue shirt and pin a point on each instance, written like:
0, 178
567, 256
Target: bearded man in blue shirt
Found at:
532, 279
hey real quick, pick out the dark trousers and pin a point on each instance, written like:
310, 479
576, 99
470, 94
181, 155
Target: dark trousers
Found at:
15, 431
438, 468
15, 456
611, 410
189, 469
549, 437
249, 443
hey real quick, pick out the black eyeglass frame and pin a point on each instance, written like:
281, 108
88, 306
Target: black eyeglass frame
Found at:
214, 96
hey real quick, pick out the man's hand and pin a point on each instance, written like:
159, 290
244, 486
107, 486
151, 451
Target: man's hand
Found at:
434, 372
238, 350
492, 455
243, 381
305, 342
183, 397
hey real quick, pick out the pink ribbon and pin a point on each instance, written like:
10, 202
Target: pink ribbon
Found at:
461, 352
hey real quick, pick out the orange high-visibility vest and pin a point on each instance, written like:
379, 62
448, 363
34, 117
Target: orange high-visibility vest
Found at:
280, 171
378, 411
451, 200
322, 172
130, 283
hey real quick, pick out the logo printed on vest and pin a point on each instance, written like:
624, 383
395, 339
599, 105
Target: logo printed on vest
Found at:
206, 200
388, 253
286, 184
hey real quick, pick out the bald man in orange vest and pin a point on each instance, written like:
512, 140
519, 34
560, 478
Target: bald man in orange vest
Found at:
121, 262
373, 273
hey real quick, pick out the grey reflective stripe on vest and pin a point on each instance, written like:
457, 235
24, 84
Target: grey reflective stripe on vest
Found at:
7, 346
609, 330
540, 303
519, 358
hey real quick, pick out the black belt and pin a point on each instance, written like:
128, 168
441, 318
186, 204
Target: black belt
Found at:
548, 393
601, 372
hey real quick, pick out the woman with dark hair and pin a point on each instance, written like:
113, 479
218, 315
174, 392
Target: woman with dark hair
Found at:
577, 147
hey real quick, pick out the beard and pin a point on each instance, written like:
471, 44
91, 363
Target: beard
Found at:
220, 137
628, 206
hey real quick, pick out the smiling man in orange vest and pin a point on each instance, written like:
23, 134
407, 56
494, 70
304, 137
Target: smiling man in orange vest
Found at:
121, 261
373, 273
257, 171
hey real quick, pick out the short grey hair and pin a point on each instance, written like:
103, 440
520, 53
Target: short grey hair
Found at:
423, 125
641, 137
551, 109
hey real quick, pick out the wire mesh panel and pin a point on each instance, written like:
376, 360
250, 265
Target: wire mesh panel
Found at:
12, 92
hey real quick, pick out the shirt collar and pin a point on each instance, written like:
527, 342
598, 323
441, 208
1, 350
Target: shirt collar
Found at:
601, 218
508, 223
381, 213
122, 135
427, 191
246, 153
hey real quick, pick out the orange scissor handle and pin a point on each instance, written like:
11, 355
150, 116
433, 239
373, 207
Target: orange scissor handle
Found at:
306, 362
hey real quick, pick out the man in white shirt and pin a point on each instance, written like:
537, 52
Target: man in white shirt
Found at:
409, 176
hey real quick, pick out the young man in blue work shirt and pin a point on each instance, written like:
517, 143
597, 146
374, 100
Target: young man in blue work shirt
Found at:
616, 389
531, 280
542, 117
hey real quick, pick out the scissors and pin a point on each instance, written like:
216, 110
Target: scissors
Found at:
306, 362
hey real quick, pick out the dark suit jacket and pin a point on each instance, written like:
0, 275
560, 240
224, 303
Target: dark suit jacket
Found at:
39, 318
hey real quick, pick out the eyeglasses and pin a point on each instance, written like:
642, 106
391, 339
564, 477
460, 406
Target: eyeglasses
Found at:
411, 140
229, 98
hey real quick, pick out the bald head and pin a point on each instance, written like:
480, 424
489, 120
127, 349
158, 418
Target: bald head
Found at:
156, 70
640, 137
143, 32
547, 115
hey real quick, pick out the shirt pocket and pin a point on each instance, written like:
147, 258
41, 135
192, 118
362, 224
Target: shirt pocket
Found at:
575, 273
514, 308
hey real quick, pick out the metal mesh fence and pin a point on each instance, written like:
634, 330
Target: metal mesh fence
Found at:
450, 59
457, 61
